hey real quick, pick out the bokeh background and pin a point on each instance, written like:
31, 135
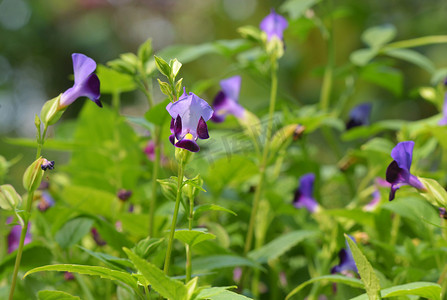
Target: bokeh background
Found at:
37, 38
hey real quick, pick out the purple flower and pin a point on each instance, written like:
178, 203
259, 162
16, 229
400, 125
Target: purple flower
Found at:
442, 213
374, 202
359, 116
226, 101
304, 194
47, 165
14, 236
347, 262
86, 83
124, 195
189, 115
237, 274
68, 276
274, 25
97, 237
46, 201
398, 172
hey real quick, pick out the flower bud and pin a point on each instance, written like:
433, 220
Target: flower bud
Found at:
34, 173
182, 156
51, 111
9, 199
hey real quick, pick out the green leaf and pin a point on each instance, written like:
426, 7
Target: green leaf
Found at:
354, 282
212, 262
207, 293
158, 114
414, 209
102, 272
225, 295
175, 67
193, 237
250, 32
145, 51
73, 231
113, 82
210, 207
384, 76
436, 194
187, 53
413, 57
378, 36
144, 247
160, 282
280, 245
165, 88
362, 57
162, 66
55, 295
371, 130
109, 260
366, 271
427, 290
296, 8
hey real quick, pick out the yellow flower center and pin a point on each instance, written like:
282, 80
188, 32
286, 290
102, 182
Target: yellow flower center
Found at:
189, 136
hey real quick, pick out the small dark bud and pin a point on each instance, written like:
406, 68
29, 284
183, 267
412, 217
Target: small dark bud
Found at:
124, 195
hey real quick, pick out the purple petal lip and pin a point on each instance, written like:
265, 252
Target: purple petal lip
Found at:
86, 84
273, 25
226, 101
398, 171
304, 194
359, 115
347, 262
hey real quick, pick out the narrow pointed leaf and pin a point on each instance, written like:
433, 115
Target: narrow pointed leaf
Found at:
366, 271
164, 285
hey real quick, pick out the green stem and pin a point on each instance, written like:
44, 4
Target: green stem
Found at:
263, 165
29, 201
155, 169
188, 248
395, 229
262, 169
326, 88
174, 218
41, 141
116, 101
422, 41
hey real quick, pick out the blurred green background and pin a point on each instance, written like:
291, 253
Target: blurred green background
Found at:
37, 39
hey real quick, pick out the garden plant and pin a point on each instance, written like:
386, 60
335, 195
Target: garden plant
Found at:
201, 196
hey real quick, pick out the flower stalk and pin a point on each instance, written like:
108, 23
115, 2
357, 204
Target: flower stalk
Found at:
174, 218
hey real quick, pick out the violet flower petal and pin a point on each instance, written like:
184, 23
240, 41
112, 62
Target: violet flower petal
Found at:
304, 194
14, 237
398, 171
359, 115
86, 83
190, 108
347, 262
202, 129
273, 25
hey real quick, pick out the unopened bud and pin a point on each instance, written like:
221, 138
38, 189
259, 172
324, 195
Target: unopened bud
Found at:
34, 173
51, 112
9, 199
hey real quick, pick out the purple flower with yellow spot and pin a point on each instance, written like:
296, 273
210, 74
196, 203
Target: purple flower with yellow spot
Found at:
189, 115
274, 25
398, 172
14, 236
226, 101
359, 116
86, 83
304, 194
347, 262
45, 202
